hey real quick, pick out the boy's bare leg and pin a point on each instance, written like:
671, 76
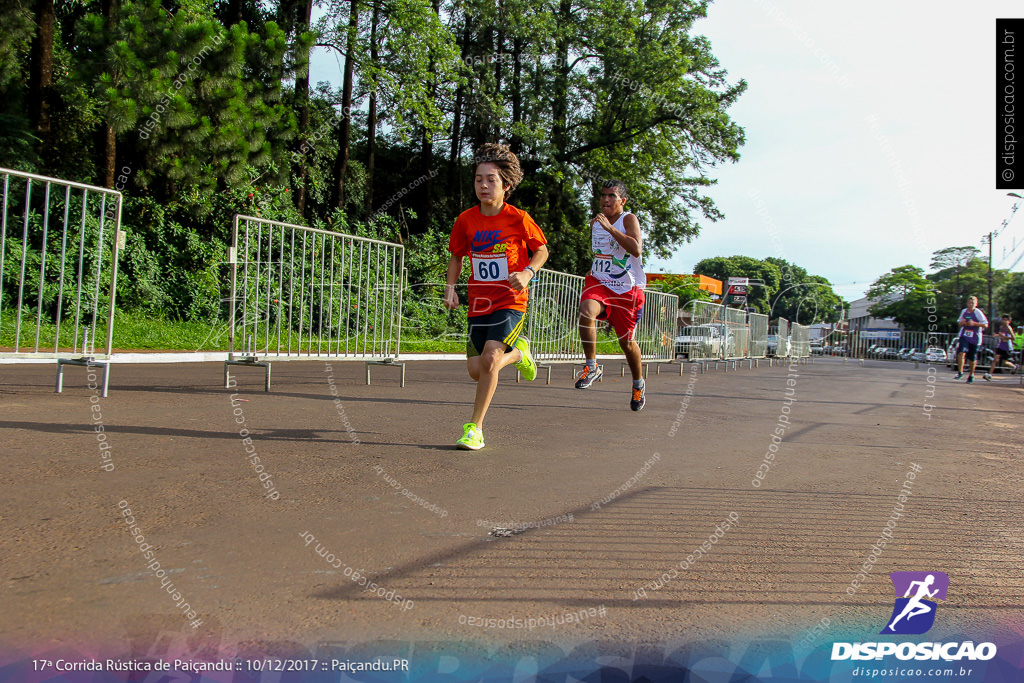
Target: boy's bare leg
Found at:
589, 310
485, 371
632, 351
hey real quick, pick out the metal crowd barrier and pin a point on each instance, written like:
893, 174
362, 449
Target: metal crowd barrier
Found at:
705, 318
758, 325
300, 293
62, 239
871, 346
553, 322
715, 332
800, 346
783, 349
655, 333
553, 317
737, 334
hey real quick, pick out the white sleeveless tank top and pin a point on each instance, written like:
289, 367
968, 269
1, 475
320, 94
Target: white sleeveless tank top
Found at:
613, 266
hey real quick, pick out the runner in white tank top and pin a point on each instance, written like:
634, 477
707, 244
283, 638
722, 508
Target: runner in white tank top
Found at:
613, 266
614, 288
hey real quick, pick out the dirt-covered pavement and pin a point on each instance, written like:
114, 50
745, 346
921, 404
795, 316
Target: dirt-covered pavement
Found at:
737, 504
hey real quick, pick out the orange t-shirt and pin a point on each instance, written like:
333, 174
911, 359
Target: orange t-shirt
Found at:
497, 246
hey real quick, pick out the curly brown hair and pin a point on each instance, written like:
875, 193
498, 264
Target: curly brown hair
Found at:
506, 161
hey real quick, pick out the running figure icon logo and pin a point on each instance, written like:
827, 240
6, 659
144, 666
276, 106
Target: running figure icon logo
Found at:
914, 611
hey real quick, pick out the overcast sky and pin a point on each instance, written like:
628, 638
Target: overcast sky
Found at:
870, 136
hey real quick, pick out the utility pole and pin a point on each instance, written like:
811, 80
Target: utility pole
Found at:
989, 237
991, 305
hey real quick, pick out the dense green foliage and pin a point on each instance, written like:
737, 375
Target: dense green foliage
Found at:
779, 288
934, 301
200, 109
1010, 298
683, 286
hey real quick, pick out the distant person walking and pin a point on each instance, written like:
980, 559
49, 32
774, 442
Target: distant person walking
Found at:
972, 322
614, 288
1006, 337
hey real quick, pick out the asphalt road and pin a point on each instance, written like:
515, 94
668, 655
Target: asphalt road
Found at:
577, 505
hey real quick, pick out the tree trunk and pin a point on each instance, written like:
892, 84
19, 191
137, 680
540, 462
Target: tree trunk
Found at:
559, 120
516, 140
480, 125
41, 70
428, 145
108, 137
109, 156
454, 158
345, 128
454, 155
371, 123
302, 99
233, 14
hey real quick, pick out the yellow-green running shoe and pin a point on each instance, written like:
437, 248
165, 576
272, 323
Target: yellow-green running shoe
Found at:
526, 367
472, 438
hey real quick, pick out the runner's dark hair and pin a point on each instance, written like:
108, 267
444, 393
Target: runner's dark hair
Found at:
506, 161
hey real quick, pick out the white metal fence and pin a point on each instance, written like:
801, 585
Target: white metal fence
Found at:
758, 325
703, 338
901, 344
716, 332
304, 293
655, 333
800, 344
553, 318
783, 348
738, 334
59, 243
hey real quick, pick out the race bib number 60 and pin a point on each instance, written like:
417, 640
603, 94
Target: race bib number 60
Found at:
490, 267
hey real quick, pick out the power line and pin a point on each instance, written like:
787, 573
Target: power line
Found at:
987, 239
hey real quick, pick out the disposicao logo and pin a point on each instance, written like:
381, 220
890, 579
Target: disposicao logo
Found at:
914, 613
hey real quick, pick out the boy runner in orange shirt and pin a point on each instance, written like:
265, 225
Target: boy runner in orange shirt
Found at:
506, 249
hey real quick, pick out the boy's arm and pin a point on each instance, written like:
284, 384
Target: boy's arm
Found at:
540, 257
630, 239
518, 281
451, 299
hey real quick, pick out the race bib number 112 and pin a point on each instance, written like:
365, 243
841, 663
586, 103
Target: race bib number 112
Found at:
602, 265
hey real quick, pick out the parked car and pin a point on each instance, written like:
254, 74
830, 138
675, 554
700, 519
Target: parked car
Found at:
951, 353
701, 341
891, 352
932, 354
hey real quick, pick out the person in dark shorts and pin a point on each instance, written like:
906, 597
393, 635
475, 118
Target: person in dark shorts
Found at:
1003, 349
972, 323
506, 248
